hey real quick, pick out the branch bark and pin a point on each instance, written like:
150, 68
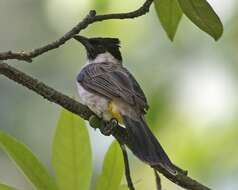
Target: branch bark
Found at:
88, 20
73, 106
127, 168
158, 181
70, 104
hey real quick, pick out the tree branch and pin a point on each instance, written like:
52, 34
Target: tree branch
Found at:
89, 19
75, 107
158, 181
127, 168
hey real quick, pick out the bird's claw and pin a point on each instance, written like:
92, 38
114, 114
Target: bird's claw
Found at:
113, 122
94, 122
107, 126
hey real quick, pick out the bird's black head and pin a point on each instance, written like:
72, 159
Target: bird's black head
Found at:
96, 46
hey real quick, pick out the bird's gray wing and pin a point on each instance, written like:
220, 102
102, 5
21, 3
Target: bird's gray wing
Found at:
113, 81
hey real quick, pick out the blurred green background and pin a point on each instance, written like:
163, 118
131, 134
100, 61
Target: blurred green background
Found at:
191, 85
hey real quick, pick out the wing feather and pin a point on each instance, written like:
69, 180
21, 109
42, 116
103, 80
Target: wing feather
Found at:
113, 81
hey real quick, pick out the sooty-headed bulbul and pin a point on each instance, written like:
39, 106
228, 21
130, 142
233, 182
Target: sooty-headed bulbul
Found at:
111, 92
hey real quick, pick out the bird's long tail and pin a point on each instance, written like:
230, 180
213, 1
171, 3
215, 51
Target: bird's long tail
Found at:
145, 145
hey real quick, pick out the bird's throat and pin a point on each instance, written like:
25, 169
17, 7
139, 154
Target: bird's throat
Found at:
104, 57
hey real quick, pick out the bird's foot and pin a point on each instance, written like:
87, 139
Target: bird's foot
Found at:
113, 122
94, 122
107, 126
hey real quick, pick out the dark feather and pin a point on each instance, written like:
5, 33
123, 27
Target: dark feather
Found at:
113, 81
102, 45
145, 145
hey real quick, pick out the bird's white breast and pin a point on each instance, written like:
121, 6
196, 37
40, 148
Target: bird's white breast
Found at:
98, 104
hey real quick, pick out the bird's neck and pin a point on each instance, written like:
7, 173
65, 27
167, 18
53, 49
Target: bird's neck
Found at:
104, 57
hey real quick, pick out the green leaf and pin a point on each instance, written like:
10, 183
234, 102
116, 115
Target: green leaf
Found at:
169, 14
202, 14
6, 187
113, 168
101, 5
123, 187
72, 156
27, 162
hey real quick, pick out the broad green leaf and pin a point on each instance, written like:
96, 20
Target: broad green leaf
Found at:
27, 162
113, 168
202, 14
72, 156
6, 187
123, 187
169, 14
101, 5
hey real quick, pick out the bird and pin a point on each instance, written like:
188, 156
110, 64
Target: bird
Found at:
110, 91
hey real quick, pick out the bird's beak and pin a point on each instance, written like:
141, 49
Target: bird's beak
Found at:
83, 40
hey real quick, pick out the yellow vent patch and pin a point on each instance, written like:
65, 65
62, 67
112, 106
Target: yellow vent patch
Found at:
112, 108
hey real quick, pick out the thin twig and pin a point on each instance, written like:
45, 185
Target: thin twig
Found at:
73, 106
68, 103
127, 168
158, 180
89, 19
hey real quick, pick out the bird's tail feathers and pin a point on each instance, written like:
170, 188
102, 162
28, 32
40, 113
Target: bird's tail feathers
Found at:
145, 145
